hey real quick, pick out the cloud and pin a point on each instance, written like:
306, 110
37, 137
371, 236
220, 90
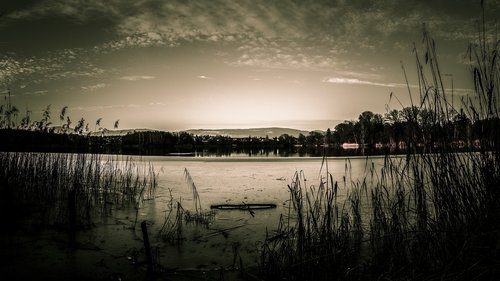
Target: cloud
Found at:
9, 68
287, 34
105, 107
158, 103
355, 81
54, 65
263, 30
36, 93
280, 54
212, 21
81, 11
137, 78
355, 23
203, 77
95, 87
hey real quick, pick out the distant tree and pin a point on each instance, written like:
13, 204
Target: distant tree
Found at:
301, 139
328, 136
346, 132
378, 129
410, 113
117, 123
365, 124
393, 126
392, 117
287, 141
462, 126
314, 138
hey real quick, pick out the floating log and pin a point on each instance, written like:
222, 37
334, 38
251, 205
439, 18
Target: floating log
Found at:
250, 206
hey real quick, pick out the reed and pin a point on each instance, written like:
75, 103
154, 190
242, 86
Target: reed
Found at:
177, 216
319, 238
433, 214
38, 186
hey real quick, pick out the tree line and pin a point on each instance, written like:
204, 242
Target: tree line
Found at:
391, 132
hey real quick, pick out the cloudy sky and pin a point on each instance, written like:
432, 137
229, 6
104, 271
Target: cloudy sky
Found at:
182, 64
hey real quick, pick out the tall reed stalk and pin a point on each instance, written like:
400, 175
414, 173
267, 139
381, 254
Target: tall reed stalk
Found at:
319, 238
437, 213
38, 186
172, 228
432, 215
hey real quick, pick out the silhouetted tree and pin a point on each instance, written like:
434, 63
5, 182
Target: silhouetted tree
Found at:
314, 138
345, 132
302, 139
328, 137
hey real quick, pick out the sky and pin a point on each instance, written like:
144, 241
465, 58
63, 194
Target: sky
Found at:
183, 64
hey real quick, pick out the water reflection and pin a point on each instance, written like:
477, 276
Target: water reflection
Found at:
301, 152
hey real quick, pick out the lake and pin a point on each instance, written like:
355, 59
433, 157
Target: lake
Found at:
235, 180
114, 244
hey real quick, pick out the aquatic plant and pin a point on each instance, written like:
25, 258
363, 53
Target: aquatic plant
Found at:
320, 237
54, 189
433, 214
172, 228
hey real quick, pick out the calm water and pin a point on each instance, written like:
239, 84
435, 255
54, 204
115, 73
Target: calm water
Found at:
113, 244
234, 180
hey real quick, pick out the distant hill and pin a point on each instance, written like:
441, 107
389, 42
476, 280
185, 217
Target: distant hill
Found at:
106, 132
271, 132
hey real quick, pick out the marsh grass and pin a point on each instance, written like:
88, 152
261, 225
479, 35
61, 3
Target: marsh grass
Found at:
177, 217
321, 235
50, 189
433, 214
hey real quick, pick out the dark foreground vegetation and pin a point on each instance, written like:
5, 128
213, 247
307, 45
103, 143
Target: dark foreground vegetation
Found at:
49, 201
69, 190
433, 214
